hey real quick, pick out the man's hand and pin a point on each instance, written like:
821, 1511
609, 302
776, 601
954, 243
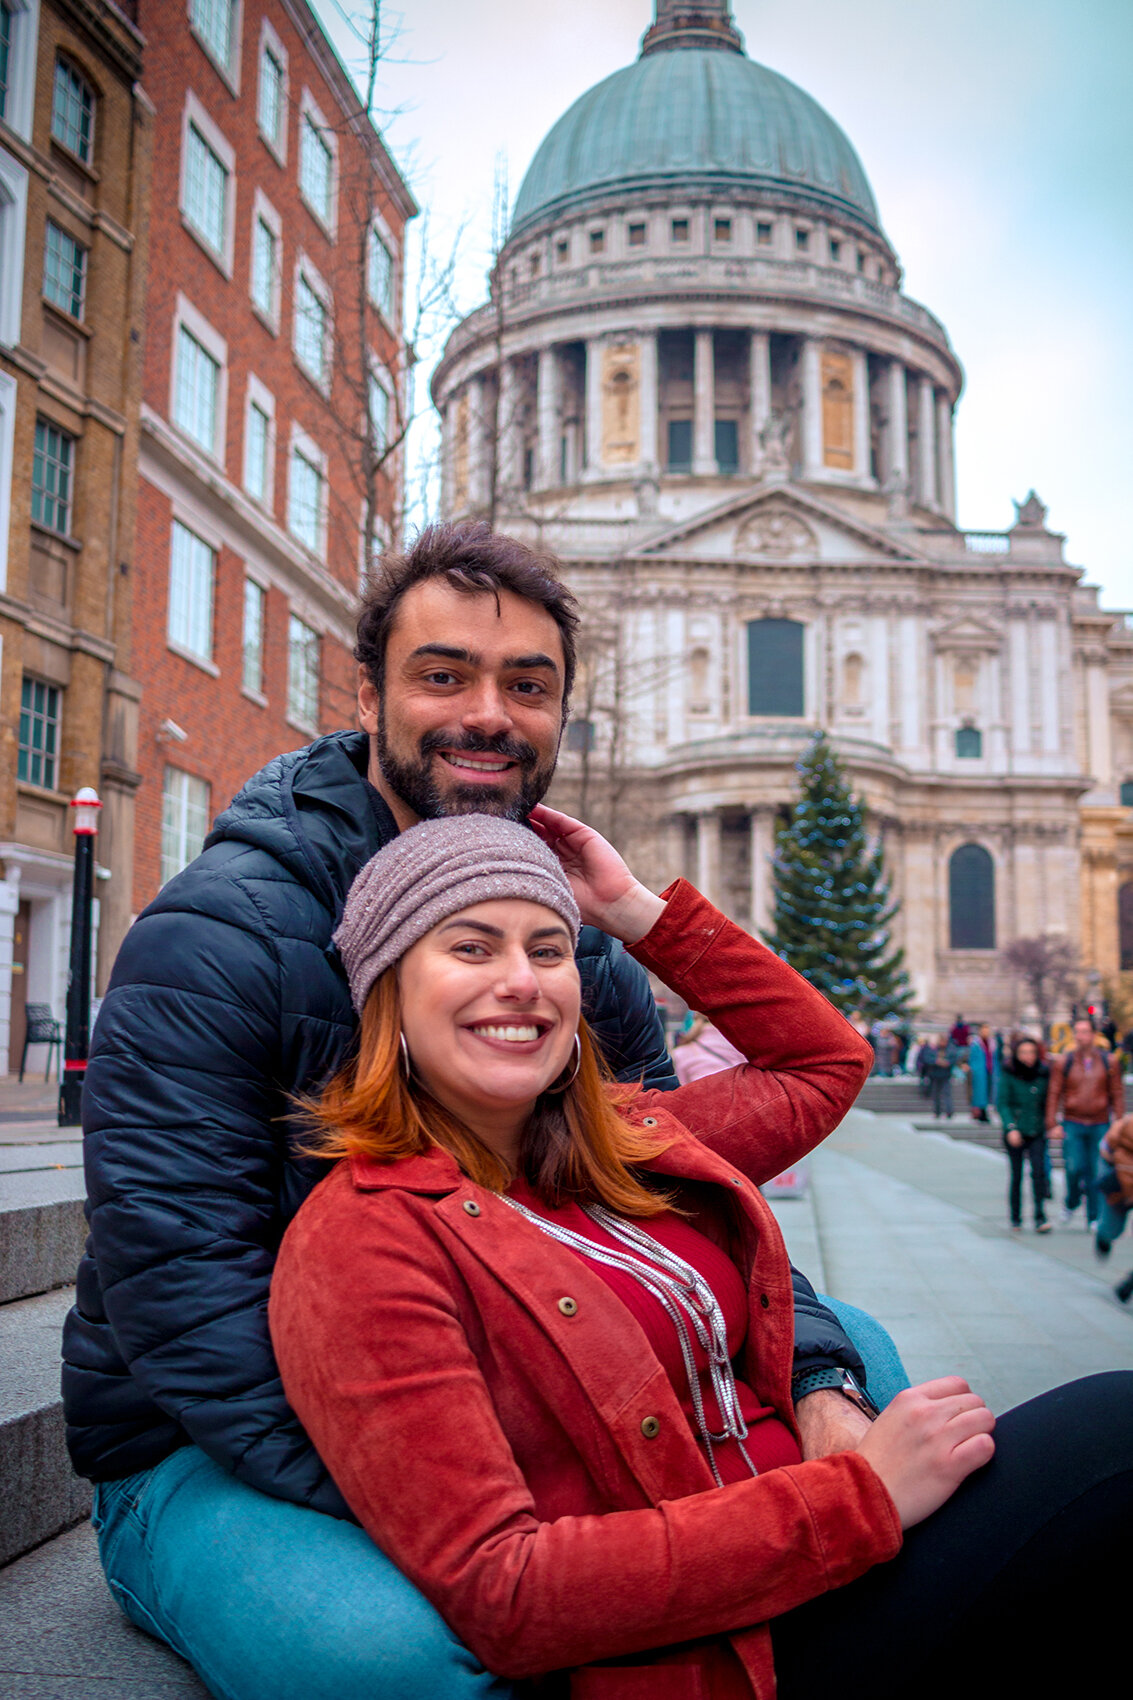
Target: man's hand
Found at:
829, 1423
1014, 1137
607, 894
926, 1442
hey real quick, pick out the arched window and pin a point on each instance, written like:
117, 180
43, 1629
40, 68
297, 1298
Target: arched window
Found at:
72, 111
775, 667
969, 741
971, 899
1125, 923
853, 668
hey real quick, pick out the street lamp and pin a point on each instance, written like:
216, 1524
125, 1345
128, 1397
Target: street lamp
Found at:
77, 1043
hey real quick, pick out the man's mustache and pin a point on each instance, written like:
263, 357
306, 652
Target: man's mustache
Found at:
480, 744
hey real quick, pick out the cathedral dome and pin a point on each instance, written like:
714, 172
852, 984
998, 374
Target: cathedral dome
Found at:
694, 118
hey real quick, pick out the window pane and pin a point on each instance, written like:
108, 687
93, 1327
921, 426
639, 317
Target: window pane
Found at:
381, 274
270, 110
680, 445
212, 20
39, 728
310, 329
727, 445
5, 55
315, 166
64, 270
256, 453
775, 667
51, 478
305, 500
254, 599
969, 741
379, 414
206, 190
72, 111
1127, 793
191, 572
195, 398
971, 898
184, 820
264, 267
302, 673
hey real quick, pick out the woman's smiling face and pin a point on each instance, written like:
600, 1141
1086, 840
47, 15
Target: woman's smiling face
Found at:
490, 1004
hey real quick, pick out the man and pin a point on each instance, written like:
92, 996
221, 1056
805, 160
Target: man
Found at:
220, 1530
1086, 1095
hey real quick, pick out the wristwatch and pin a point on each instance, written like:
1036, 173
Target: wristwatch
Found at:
838, 1380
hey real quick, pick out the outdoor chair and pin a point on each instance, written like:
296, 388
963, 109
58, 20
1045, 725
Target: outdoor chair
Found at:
43, 1029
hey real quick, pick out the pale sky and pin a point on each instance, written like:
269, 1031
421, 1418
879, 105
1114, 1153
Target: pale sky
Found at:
997, 136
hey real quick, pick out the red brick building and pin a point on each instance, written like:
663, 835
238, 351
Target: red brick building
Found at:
273, 396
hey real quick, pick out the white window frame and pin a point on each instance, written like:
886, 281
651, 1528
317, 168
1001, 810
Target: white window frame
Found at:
264, 213
8, 395
377, 375
309, 274
13, 232
380, 229
295, 717
195, 115
186, 780
21, 68
309, 450
257, 696
258, 395
230, 71
81, 248
310, 112
270, 43
173, 642
210, 339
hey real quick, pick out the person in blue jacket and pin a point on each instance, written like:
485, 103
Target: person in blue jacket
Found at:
220, 1530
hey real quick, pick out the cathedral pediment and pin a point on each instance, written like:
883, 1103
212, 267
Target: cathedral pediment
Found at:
967, 633
778, 523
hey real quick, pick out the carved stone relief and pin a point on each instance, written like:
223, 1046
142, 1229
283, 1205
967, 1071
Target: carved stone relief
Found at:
777, 534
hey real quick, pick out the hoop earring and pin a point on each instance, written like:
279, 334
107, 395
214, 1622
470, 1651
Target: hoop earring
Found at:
559, 1086
405, 1062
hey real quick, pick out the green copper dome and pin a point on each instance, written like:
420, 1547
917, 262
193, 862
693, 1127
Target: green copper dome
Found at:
695, 118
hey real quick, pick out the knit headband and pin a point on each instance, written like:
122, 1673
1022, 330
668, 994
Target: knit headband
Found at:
429, 873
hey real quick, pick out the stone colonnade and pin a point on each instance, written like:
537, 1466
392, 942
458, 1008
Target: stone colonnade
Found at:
692, 846
911, 407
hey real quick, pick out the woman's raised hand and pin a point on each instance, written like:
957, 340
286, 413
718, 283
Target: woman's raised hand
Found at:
606, 892
926, 1442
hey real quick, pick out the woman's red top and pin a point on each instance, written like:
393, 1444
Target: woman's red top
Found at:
770, 1442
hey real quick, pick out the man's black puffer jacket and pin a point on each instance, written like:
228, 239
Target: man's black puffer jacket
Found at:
228, 997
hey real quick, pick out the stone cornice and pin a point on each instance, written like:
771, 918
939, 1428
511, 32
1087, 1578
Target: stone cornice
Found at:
112, 32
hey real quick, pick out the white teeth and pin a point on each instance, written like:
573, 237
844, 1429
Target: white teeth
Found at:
518, 1035
478, 766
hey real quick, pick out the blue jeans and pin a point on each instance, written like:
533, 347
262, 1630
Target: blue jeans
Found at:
1113, 1212
271, 1601
1080, 1142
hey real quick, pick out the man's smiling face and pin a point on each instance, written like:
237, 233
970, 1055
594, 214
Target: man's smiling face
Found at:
470, 714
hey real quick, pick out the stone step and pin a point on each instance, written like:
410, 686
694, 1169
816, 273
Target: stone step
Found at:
63, 1638
39, 1493
42, 1229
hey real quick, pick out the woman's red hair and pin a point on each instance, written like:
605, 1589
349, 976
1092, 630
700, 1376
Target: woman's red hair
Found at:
577, 1144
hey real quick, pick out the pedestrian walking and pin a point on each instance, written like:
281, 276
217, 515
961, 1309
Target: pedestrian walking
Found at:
1021, 1102
1115, 1184
983, 1066
960, 1038
938, 1068
886, 1051
1086, 1096
924, 1052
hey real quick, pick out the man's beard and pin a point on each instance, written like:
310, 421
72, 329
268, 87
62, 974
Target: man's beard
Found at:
416, 782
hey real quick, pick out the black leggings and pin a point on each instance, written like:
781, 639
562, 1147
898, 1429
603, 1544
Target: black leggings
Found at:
973, 1604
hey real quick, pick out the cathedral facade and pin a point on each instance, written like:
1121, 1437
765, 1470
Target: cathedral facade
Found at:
699, 383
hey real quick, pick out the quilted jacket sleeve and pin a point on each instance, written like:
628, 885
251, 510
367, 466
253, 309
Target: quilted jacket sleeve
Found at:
183, 1149
621, 1011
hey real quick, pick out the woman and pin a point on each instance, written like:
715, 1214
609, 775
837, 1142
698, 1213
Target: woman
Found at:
938, 1071
983, 1069
1022, 1110
540, 1331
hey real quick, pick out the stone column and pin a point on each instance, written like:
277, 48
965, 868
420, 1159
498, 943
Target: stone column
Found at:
593, 453
759, 393
946, 470
704, 405
1098, 721
648, 402
508, 435
897, 430
708, 835
479, 446
673, 841
860, 366
548, 410
926, 443
762, 881
811, 376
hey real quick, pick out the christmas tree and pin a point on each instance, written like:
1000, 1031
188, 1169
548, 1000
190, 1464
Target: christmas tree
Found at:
833, 910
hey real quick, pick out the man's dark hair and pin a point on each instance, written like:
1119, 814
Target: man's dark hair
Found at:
478, 562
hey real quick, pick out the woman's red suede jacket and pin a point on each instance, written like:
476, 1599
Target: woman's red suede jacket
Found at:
525, 1461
